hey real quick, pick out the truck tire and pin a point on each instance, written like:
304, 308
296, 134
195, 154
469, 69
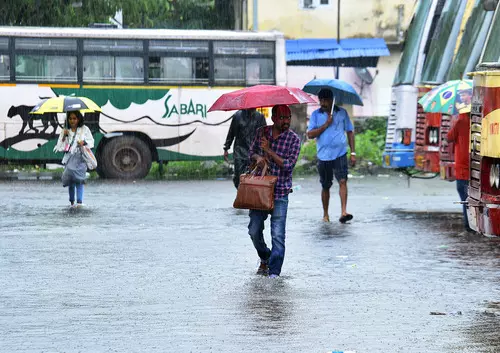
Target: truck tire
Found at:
126, 157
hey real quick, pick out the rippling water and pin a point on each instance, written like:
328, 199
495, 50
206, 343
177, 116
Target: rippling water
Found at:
169, 267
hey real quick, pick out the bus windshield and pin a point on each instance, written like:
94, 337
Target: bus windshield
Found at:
492, 50
472, 42
440, 54
407, 66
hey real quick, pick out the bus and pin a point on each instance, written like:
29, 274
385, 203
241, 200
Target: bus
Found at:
483, 203
454, 16
465, 60
154, 88
400, 137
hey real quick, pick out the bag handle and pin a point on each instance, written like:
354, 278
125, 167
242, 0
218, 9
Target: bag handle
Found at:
265, 169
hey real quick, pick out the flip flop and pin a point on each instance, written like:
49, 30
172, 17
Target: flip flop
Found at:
345, 218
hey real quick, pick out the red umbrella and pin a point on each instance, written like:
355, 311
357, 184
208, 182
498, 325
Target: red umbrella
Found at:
261, 96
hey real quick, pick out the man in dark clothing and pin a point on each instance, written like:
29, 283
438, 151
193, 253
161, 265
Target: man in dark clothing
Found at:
242, 130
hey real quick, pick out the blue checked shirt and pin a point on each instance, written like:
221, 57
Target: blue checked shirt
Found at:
287, 146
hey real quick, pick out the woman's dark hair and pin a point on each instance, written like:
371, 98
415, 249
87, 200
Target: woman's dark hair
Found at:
78, 115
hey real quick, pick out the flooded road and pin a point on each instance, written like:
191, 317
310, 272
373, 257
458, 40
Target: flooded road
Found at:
168, 267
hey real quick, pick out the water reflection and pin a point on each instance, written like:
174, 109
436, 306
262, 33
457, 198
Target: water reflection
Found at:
334, 230
482, 334
268, 305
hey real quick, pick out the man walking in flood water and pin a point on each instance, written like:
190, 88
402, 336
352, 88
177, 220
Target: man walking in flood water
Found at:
242, 130
278, 147
330, 134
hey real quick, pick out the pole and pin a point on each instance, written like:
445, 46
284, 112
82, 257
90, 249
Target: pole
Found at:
338, 34
255, 15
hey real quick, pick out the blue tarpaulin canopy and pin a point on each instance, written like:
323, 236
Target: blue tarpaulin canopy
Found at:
353, 52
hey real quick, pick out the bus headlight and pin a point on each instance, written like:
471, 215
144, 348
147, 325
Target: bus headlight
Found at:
497, 176
399, 136
433, 135
494, 177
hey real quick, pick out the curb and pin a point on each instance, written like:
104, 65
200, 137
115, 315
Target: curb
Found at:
10, 175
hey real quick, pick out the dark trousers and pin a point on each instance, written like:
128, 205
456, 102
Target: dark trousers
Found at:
240, 167
462, 188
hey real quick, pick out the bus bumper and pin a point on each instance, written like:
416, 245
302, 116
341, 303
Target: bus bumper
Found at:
485, 219
427, 161
398, 159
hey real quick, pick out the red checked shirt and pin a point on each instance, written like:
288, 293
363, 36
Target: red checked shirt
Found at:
460, 135
287, 146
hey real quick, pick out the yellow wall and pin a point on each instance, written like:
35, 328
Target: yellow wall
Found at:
359, 18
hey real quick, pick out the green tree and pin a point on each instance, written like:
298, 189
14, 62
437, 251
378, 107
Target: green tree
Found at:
185, 14
56, 12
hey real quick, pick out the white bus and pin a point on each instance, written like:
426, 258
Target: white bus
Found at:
154, 88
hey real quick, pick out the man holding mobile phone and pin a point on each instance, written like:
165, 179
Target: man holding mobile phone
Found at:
329, 125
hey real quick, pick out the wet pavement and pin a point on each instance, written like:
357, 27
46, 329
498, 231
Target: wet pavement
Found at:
168, 267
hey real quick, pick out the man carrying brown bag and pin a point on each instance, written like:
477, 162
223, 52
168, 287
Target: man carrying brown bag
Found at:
277, 147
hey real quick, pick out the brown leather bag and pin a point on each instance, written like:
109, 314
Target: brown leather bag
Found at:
256, 192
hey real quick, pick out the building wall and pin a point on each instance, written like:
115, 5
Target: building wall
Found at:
361, 18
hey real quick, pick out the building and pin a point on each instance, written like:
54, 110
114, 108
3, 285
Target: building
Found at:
315, 19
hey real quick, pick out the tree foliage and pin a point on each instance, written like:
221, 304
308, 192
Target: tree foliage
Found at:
185, 14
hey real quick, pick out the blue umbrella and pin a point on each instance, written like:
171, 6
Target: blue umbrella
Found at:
342, 91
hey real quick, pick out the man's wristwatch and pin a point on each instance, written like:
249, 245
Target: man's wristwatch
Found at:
353, 153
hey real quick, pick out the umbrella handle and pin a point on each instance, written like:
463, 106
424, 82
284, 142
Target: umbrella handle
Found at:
333, 106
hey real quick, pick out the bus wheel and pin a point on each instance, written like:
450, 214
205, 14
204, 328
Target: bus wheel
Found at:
126, 157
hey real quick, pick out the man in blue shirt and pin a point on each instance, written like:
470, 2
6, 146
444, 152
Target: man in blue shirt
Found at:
331, 142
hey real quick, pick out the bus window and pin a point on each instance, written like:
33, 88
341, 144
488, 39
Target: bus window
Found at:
179, 46
113, 68
178, 61
45, 44
4, 60
492, 50
243, 63
113, 65
201, 69
178, 70
98, 68
227, 47
259, 71
45, 59
129, 69
110, 45
4, 67
229, 71
46, 68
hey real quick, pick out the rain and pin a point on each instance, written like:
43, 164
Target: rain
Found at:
140, 247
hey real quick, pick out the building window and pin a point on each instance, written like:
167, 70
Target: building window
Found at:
308, 4
311, 4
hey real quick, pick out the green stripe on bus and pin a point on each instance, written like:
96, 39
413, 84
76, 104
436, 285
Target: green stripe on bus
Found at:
120, 98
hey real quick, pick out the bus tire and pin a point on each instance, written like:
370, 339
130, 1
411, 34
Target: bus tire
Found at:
126, 157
